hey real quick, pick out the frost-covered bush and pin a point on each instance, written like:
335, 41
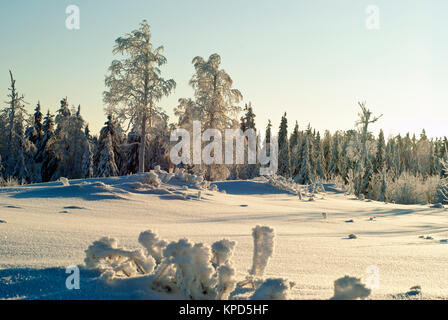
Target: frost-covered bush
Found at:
194, 272
410, 189
226, 281
406, 188
198, 181
153, 179
222, 251
65, 182
8, 182
185, 269
273, 289
153, 245
112, 260
263, 247
349, 288
285, 184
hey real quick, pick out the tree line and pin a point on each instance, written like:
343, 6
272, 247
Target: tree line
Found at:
135, 138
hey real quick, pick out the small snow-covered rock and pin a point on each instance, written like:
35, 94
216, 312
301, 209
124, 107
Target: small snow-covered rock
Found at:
273, 289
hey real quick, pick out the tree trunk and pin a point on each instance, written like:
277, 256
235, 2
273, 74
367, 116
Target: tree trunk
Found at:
141, 161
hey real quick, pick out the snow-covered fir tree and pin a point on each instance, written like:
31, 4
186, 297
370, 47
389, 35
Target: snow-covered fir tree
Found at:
380, 153
334, 167
71, 145
13, 147
45, 155
246, 170
284, 164
107, 158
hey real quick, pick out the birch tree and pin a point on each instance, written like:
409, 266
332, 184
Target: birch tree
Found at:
135, 84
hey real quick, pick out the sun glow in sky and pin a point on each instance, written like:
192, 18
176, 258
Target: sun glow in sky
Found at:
313, 59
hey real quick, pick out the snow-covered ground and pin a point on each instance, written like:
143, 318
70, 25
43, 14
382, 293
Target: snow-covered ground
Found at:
46, 227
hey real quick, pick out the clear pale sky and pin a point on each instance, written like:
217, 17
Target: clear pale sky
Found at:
313, 59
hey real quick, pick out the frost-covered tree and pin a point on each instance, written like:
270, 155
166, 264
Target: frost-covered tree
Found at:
135, 84
247, 171
13, 146
71, 145
364, 168
87, 167
284, 163
63, 114
215, 96
334, 167
306, 174
215, 104
34, 133
326, 152
380, 153
107, 159
45, 155
318, 158
294, 139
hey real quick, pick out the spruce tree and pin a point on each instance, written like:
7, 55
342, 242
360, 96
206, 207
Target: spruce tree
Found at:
334, 169
380, 153
306, 174
283, 147
46, 155
108, 158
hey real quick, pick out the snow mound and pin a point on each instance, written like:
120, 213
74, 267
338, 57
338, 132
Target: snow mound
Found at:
273, 289
349, 288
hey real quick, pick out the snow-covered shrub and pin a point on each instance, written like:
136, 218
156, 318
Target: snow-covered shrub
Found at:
8, 182
285, 184
193, 269
195, 180
411, 189
154, 246
263, 248
153, 179
226, 281
273, 289
349, 288
222, 251
183, 268
64, 181
106, 256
